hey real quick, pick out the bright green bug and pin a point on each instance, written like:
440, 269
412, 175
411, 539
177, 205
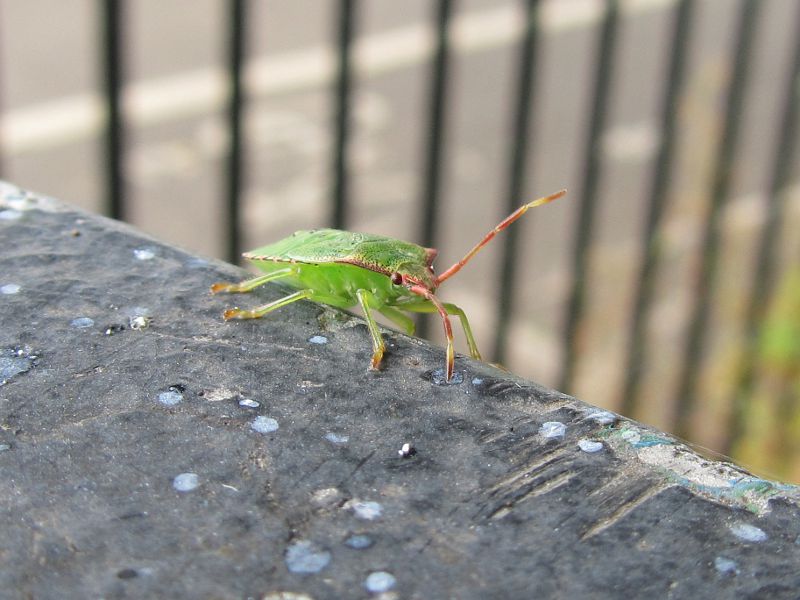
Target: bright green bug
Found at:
380, 273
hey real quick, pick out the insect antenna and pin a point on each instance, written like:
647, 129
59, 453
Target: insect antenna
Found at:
505, 223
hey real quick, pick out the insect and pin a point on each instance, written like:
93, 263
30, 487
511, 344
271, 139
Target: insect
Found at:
341, 268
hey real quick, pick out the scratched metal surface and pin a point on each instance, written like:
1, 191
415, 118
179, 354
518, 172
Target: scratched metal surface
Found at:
148, 449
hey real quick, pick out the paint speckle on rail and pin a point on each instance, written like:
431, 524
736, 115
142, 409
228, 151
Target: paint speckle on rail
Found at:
144, 253
379, 581
306, 557
186, 482
262, 424
365, 509
553, 430
726, 566
748, 533
170, 398
590, 446
337, 438
81, 323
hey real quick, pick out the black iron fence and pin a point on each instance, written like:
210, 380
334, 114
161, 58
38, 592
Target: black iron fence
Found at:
641, 349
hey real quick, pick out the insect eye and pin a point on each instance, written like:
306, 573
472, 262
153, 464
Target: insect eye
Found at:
397, 279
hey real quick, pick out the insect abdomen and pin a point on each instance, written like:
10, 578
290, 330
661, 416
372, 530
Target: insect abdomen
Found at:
336, 280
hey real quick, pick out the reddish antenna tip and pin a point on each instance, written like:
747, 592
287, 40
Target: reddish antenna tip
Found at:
488, 237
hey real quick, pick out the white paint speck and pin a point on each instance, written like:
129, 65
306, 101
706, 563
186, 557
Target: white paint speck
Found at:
170, 397
553, 430
144, 253
477, 380
407, 450
318, 339
186, 482
632, 436
336, 438
82, 323
748, 533
367, 510
326, 497
263, 424
603, 417
10, 288
726, 566
218, 395
590, 446
379, 581
4, 447
306, 557
247, 403
139, 322
9, 215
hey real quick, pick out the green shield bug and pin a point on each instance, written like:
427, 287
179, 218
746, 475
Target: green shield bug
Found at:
341, 268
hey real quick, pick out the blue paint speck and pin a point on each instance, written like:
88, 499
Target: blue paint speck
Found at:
335, 438
359, 542
170, 397
9, 215
590, 446
247, 403
10, 288
4, 447
553, 429
81, 323
13, 362
438, 377
144, 253
726, 566
366, 510
264, 424
748, 533
306, 557
186, 482
379, 581
477, 380
318, 339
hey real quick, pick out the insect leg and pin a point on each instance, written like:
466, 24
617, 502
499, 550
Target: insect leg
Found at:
251, 284
260, 311
378, 347
398, 318
462, 316
448, 329
455, 310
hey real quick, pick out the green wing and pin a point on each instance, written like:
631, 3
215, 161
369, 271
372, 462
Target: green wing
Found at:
317, 246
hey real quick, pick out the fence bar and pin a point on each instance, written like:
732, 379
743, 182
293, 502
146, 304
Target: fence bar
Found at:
235, 167
344, 36
435, 136
112, 87
695, 339
651, 242
520, 134
588, 199
761, 290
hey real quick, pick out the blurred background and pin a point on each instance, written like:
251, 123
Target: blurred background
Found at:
665, 285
